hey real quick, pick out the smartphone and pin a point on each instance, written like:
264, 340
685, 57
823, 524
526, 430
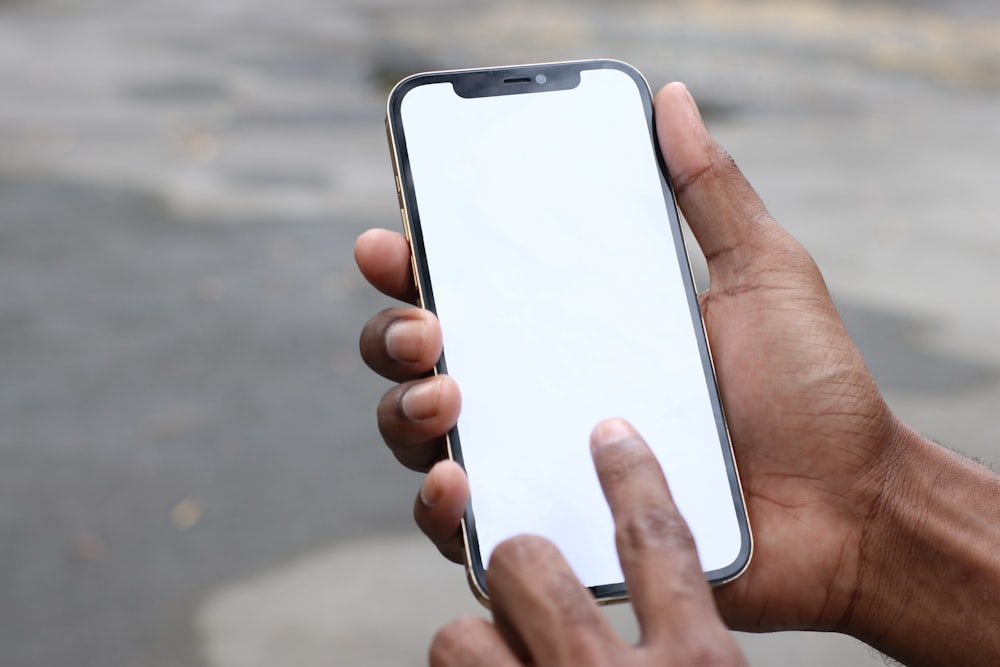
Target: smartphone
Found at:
545, 237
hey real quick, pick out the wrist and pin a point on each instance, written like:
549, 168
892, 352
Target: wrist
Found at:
928, 579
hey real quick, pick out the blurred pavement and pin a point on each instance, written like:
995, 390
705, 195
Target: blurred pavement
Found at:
190, 472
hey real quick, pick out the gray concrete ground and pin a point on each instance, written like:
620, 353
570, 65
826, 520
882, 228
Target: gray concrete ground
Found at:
190, 472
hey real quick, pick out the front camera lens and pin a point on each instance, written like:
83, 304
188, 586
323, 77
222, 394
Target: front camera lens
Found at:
541, 78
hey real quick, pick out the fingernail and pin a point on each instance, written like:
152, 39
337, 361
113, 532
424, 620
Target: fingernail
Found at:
430, 492
421, 400
405, 338
693, 104
611, 431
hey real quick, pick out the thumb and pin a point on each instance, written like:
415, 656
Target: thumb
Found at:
726, 215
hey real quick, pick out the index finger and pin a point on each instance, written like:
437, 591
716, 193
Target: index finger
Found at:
384, 259
657, 552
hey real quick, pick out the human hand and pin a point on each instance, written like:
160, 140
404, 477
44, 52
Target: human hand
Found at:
544, 616
813, 438
403, 345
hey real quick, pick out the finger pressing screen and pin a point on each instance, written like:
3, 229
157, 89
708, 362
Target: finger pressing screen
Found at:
655, 547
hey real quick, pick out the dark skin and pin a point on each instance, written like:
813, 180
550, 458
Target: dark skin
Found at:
835, 484
542, 613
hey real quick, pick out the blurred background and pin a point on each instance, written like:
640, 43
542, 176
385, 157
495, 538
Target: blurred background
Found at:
190, 472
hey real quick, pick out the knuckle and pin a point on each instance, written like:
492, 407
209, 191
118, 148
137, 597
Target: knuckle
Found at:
576, 609
655, 527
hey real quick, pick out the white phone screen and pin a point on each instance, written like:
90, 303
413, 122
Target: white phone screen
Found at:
552, 262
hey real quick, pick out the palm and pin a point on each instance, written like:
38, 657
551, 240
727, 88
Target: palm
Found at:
798, 399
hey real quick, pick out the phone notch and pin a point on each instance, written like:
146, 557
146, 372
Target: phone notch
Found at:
517, 80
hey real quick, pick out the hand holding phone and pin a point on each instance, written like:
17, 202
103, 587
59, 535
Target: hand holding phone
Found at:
807, 421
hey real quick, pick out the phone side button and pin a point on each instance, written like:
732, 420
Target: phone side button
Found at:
416, 280
413, 259
406, 223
